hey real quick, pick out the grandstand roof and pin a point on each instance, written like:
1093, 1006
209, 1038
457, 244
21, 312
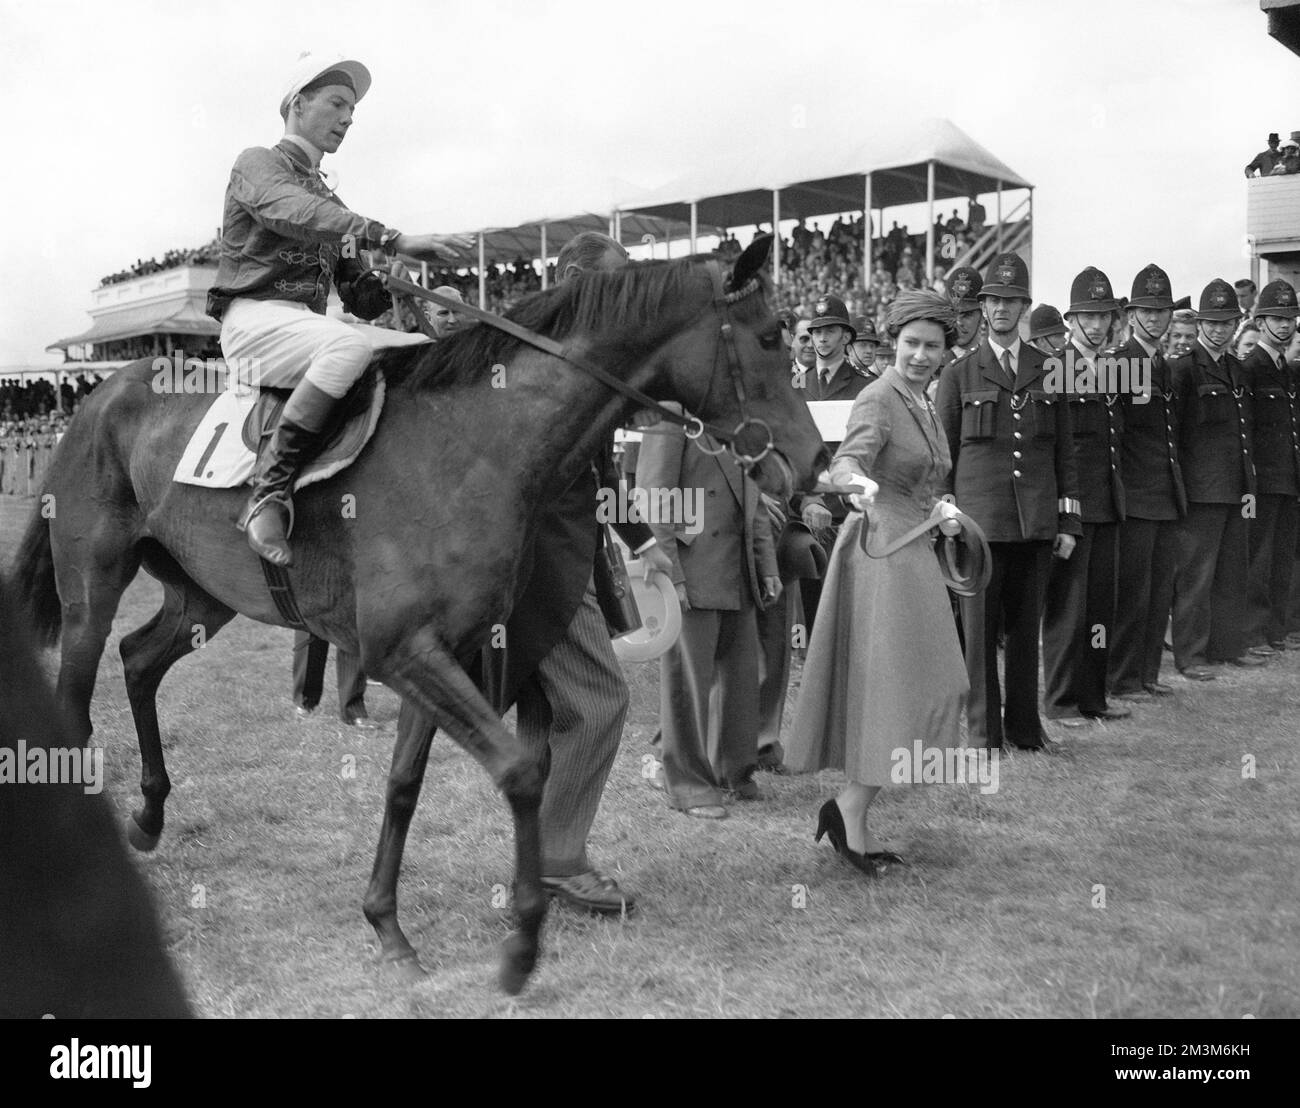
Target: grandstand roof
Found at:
505, 244
144, 319
823, 170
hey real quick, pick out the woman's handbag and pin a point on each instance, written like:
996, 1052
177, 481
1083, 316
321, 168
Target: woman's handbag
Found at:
613, 590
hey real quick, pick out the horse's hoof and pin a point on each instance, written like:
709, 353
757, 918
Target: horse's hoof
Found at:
138, 837
518, 959
406, 968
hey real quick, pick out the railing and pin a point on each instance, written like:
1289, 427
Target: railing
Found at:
23, 462
1011, 235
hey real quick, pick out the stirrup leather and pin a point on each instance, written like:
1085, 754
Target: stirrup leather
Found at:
255, 506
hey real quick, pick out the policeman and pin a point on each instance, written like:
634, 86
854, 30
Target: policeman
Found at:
862, 350
1013, 473
1079, 607
1273, 384
1047, 330
835, 378
964, 286
1214, 433
1155, 499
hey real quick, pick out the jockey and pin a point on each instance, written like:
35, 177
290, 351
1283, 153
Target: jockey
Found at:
284, 236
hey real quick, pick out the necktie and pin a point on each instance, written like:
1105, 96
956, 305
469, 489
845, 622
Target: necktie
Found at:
826, 377
1007, 368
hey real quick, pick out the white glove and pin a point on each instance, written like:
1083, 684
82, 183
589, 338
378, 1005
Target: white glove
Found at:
861, 501
948, 512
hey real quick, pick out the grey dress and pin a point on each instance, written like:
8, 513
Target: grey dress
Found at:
884, 668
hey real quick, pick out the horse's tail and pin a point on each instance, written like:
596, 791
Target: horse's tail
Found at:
32, 581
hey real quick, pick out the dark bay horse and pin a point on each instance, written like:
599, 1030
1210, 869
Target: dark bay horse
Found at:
477, 434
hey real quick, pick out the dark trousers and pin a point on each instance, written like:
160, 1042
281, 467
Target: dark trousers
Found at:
1148, 560
1293, 618
309, 656
1014, 597
1210, 593
775, 626
1272, 563
1078, 622
708, 693
810, 588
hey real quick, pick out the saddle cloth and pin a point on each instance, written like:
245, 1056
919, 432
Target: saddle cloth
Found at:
222, 452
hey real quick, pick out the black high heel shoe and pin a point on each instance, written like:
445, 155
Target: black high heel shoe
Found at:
830, 821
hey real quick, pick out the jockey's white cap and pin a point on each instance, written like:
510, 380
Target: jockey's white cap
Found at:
310, 66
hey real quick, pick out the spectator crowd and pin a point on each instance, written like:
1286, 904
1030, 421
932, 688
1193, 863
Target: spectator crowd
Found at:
208, 254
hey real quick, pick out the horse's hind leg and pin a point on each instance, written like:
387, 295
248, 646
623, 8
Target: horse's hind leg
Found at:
91, 581
187, 619
428, 676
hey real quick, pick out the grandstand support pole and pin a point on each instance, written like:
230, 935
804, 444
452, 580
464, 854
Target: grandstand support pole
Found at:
999, 217
866, 233
424, 274
1029, 243
544, 252
776, 238
929, 222
695, 223
482, 271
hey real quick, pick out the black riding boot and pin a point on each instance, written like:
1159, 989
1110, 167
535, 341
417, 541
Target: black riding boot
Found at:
268, 517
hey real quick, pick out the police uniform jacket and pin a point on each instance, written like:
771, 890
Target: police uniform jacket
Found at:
1097, 419
1276, 409
846, 382
1012, 450
1153, 474
1214, 427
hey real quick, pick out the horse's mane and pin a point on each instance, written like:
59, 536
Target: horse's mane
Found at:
623, 310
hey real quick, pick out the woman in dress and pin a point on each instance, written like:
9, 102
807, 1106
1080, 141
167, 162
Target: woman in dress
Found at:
884, 668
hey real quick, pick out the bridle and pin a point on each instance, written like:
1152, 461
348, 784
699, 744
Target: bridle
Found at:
694, 426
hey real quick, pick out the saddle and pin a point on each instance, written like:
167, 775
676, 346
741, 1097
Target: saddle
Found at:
217, 458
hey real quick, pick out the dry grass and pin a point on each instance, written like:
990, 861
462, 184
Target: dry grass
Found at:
268, 847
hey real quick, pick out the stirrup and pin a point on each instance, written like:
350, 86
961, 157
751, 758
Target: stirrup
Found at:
255, 506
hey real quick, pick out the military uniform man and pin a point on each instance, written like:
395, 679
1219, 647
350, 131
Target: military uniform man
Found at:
1273, 385
1079, 608
1047, 330
1013, 473
1156, 500
835, 378
1214, 430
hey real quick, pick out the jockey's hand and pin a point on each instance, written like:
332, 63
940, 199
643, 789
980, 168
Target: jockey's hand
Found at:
817, 518
433, 248
398, 269
654, 560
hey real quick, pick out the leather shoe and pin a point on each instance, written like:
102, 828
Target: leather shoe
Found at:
362, 723
1262, 651
1247, 661
770, 759
1110, 713
746, 790
1072, 722
1138, 696
590, 892
1197, 673
1157, 689
303, 712
706, 811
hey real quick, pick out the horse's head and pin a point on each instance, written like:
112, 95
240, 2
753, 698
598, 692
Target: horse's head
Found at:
733, 359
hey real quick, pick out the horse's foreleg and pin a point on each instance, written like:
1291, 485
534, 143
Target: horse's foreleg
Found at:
410, 756
185, 622
425, 672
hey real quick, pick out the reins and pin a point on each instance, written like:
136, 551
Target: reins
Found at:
406, 292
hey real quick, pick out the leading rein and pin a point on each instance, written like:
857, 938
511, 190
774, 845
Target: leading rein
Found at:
694, 426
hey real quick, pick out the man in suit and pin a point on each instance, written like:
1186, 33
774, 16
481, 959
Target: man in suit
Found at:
1079, 605
1156, 500
1273, 386
309, 657
1214, 429
558, 666
1013, 473
724, 567
834, 378
1262, 163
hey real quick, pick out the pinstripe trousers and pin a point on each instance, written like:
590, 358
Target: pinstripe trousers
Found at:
570, 713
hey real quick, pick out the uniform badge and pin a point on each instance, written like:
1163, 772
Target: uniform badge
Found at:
1285, 298
1100, 291
1155, 285
1217, 298
961, 287
1006, 273
821, 307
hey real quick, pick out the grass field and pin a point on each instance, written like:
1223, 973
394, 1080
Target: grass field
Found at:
1136, 873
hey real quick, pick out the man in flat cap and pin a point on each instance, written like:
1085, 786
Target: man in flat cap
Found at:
1013, 473
1079, 606
1273, 384
1262, 164
1215, 447
285, 239
1156, 500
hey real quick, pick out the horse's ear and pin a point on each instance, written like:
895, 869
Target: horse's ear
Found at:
750, 262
